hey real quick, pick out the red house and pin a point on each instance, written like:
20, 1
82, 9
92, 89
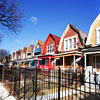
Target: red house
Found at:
46, 62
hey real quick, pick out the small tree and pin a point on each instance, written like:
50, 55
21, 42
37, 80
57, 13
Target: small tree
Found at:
3, 54
10, 15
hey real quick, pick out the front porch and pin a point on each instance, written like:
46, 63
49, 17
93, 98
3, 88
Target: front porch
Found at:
92, 62
45, 62
92, 67
69, 61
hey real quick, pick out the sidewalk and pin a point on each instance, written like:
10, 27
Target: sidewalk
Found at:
4, 94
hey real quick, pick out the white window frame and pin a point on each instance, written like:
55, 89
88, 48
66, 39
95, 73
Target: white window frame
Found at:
98, 35
67, 39
50, 48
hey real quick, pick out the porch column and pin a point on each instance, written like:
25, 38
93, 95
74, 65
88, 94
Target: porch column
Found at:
74, 63
85, 61
63, 62
49, 62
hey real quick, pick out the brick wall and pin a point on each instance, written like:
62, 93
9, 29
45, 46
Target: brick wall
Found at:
48, 42
70, 33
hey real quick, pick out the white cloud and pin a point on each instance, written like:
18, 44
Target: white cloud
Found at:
18, 41
34, 19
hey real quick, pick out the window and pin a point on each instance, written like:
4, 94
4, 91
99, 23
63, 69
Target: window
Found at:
29, 54
66, 44
70, 43
96, 62
74, 42
98, 35
45, 61
50, 48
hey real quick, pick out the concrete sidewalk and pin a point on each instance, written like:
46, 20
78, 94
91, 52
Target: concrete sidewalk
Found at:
4, 93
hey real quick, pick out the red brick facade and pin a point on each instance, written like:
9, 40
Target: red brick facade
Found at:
51, 39
70, 33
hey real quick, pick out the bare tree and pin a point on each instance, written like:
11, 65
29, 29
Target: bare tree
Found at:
3, 54
10, 15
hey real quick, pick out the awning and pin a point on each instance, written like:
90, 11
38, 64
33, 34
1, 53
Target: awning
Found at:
37, 50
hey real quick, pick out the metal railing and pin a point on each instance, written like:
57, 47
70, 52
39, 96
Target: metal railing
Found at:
33, 84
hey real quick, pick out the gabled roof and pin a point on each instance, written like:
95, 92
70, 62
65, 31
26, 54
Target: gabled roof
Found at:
30, 48
25, 49
56, 38
91, 29
82, 35
41, 42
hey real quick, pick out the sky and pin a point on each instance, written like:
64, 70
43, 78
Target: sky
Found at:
42, 17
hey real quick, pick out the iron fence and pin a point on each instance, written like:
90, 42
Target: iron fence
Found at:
33, 84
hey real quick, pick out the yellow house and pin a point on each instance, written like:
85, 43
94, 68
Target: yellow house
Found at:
92, 50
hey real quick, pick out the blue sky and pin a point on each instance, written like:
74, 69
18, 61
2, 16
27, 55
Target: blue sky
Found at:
42, 17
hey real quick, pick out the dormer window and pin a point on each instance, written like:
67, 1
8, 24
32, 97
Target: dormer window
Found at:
70, 43
98, 35
50, 48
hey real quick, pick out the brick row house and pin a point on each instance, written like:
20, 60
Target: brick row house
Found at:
45, 62
71, 43
73, 50
67, 51
38, 51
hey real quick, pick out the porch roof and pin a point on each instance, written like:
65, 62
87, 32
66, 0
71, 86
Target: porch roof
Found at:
27, 59
68, 54
92, 50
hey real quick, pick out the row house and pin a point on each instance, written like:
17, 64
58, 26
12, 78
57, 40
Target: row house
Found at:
30, 51
92, 51
71, 43
45, 61
38, 51
23, 53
